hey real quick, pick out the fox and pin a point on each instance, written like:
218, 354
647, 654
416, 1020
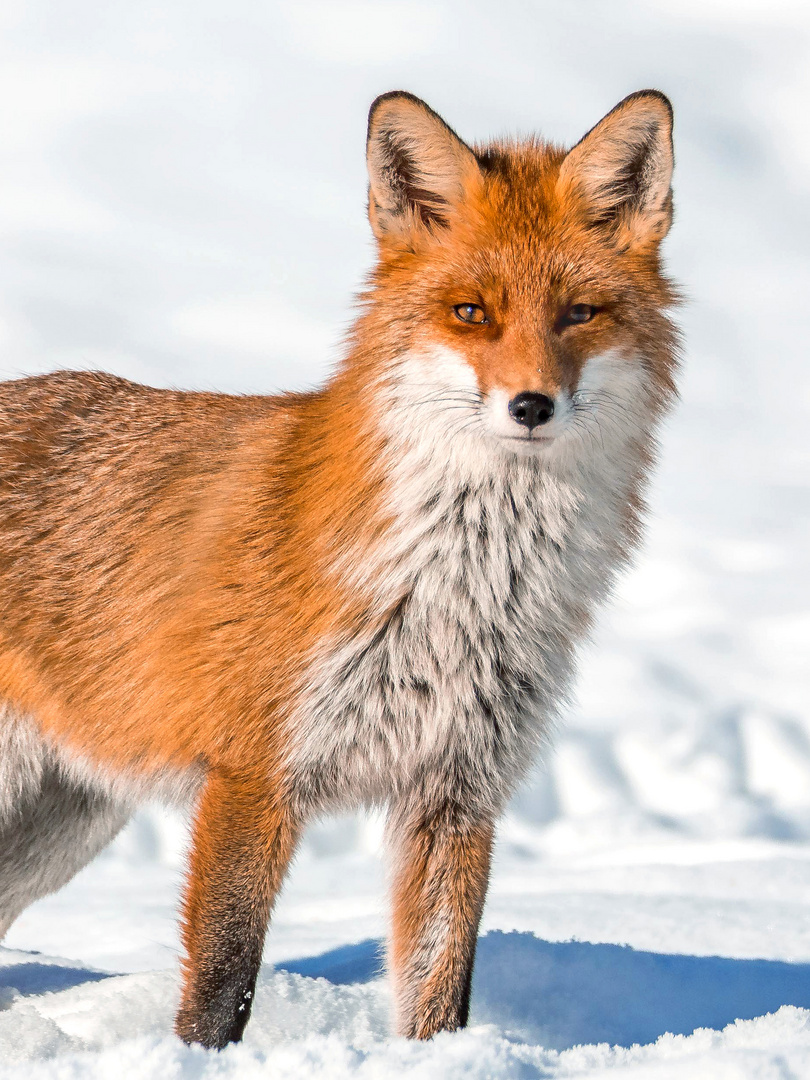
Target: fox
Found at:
267, 609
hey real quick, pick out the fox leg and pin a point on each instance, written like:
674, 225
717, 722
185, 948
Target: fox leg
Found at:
442, 871
243, 840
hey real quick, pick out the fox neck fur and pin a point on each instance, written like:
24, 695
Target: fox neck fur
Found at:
476, 593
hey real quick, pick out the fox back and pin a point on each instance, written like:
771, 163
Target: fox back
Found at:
369, 594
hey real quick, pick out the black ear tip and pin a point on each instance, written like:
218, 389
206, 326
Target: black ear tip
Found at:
650, 96
391, 94
394, 95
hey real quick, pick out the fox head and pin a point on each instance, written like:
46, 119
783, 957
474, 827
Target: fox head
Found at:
518, 296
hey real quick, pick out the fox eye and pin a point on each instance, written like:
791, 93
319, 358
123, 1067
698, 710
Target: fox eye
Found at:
578, 313
470, 313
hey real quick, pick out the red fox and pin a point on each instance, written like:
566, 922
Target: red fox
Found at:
371, 594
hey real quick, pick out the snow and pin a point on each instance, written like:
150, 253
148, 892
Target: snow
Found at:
182, 202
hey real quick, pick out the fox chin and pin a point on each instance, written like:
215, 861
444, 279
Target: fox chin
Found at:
273, 608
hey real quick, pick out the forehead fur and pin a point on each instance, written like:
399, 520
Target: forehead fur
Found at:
520, 178
516, 219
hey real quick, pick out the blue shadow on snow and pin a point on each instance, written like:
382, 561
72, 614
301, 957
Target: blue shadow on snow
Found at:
358, 963
43, 978
560, 994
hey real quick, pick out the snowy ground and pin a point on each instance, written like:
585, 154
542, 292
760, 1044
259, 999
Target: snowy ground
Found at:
181, 201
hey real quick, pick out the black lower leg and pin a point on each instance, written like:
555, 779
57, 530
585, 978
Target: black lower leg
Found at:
243, 840
219, 999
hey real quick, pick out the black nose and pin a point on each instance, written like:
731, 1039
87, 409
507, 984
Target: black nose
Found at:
531, 410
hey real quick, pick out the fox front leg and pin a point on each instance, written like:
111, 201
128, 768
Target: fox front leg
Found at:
441, 876
242, 844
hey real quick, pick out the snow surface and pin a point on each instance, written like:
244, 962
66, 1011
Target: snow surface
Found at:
182, 202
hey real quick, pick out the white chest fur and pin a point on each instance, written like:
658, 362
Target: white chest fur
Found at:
477, 600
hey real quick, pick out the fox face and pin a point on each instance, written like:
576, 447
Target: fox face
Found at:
518, 289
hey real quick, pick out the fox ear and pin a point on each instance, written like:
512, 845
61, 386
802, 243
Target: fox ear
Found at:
623, 168
417, 165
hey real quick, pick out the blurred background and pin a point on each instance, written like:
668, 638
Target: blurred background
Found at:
182, 202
